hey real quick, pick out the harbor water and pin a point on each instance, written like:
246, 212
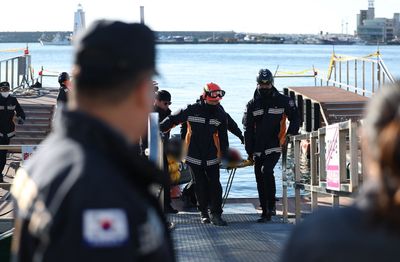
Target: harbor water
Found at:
184, 70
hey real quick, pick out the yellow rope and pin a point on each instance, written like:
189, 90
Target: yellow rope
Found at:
12, 50
295, 73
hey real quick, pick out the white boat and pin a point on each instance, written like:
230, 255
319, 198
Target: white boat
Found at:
57, 40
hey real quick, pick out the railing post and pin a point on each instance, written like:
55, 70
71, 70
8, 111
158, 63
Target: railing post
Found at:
313, 170
322, 148
308, 115
363, 78
297, 180
155, 147
316, 116
348, 73
300, 107
354, 179
355, 75
373, 77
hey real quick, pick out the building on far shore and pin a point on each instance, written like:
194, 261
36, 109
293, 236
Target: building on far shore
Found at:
377, 30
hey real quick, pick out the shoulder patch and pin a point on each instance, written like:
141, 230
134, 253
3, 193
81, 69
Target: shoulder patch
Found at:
105, 227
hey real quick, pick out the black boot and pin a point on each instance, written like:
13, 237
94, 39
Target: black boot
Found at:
205, 219
218, 221
265, 217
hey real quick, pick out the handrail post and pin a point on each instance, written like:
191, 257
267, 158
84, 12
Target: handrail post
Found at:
155, 146
313, 171
297, 181
354, 179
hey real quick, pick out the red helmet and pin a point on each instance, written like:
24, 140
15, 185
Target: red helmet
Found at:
212, 92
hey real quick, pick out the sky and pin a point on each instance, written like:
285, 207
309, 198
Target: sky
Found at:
256, 16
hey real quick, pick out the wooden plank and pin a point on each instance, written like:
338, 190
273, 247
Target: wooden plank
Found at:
327, 94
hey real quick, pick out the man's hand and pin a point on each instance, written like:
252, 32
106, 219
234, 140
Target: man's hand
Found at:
20, 121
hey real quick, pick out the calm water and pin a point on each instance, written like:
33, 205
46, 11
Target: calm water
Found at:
184, 69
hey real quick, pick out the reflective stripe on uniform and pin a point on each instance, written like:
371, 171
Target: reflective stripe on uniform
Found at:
10, 107
1, 107
273, 150
214, 122
259, 112
196, 119
276, 111
193, 160
8, 135
213, 162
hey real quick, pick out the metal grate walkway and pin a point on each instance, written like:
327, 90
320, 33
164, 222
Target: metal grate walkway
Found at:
242, 240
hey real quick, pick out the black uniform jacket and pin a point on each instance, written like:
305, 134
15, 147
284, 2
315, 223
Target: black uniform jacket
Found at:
206, 137
8, 107
264, 122
62, 94
231, 125
96, 189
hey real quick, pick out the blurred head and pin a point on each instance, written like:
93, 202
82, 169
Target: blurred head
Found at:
265, 81
64, 79
212, 93
163, 99
4, 87
381, 150
113, 69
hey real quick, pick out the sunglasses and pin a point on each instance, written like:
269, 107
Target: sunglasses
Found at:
167, 103
217, 93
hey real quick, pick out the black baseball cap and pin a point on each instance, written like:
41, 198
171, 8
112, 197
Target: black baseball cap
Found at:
4, 85
163, 95
110, 52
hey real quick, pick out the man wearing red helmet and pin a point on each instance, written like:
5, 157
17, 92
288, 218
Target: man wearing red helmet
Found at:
207, 143
264, 123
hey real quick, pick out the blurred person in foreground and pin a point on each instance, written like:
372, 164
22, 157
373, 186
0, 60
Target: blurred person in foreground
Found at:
85, 194
369, 230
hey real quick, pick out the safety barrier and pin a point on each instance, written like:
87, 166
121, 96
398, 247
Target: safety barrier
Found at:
17, 71
353, 76
378, 74
333, 165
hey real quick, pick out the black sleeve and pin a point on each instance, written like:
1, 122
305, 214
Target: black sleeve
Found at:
183, 130
175, 119
293, 116
234, 128
19, 110
62, 96
248, 127
223, 139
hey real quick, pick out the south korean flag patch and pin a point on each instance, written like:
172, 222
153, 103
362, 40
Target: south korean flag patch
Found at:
105, 227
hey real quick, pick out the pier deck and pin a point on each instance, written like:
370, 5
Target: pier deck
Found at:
325, 105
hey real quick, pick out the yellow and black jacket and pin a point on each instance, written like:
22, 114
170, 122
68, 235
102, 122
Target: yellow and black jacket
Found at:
206, 137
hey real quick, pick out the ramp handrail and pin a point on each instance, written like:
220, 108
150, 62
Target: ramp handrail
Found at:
17, 71
316, 182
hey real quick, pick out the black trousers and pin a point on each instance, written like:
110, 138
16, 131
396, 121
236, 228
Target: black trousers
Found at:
4, 140
208, 189
264, 171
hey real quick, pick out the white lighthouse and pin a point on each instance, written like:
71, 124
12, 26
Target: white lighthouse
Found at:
79, 20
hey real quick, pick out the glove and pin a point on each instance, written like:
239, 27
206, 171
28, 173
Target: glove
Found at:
250, 157
20, 121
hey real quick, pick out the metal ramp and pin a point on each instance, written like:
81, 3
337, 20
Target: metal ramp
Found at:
242, 240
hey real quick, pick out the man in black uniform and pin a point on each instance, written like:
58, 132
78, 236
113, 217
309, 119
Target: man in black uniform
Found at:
8, 107
64, 81
84, 195
161, 106
264, 123
207, 142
